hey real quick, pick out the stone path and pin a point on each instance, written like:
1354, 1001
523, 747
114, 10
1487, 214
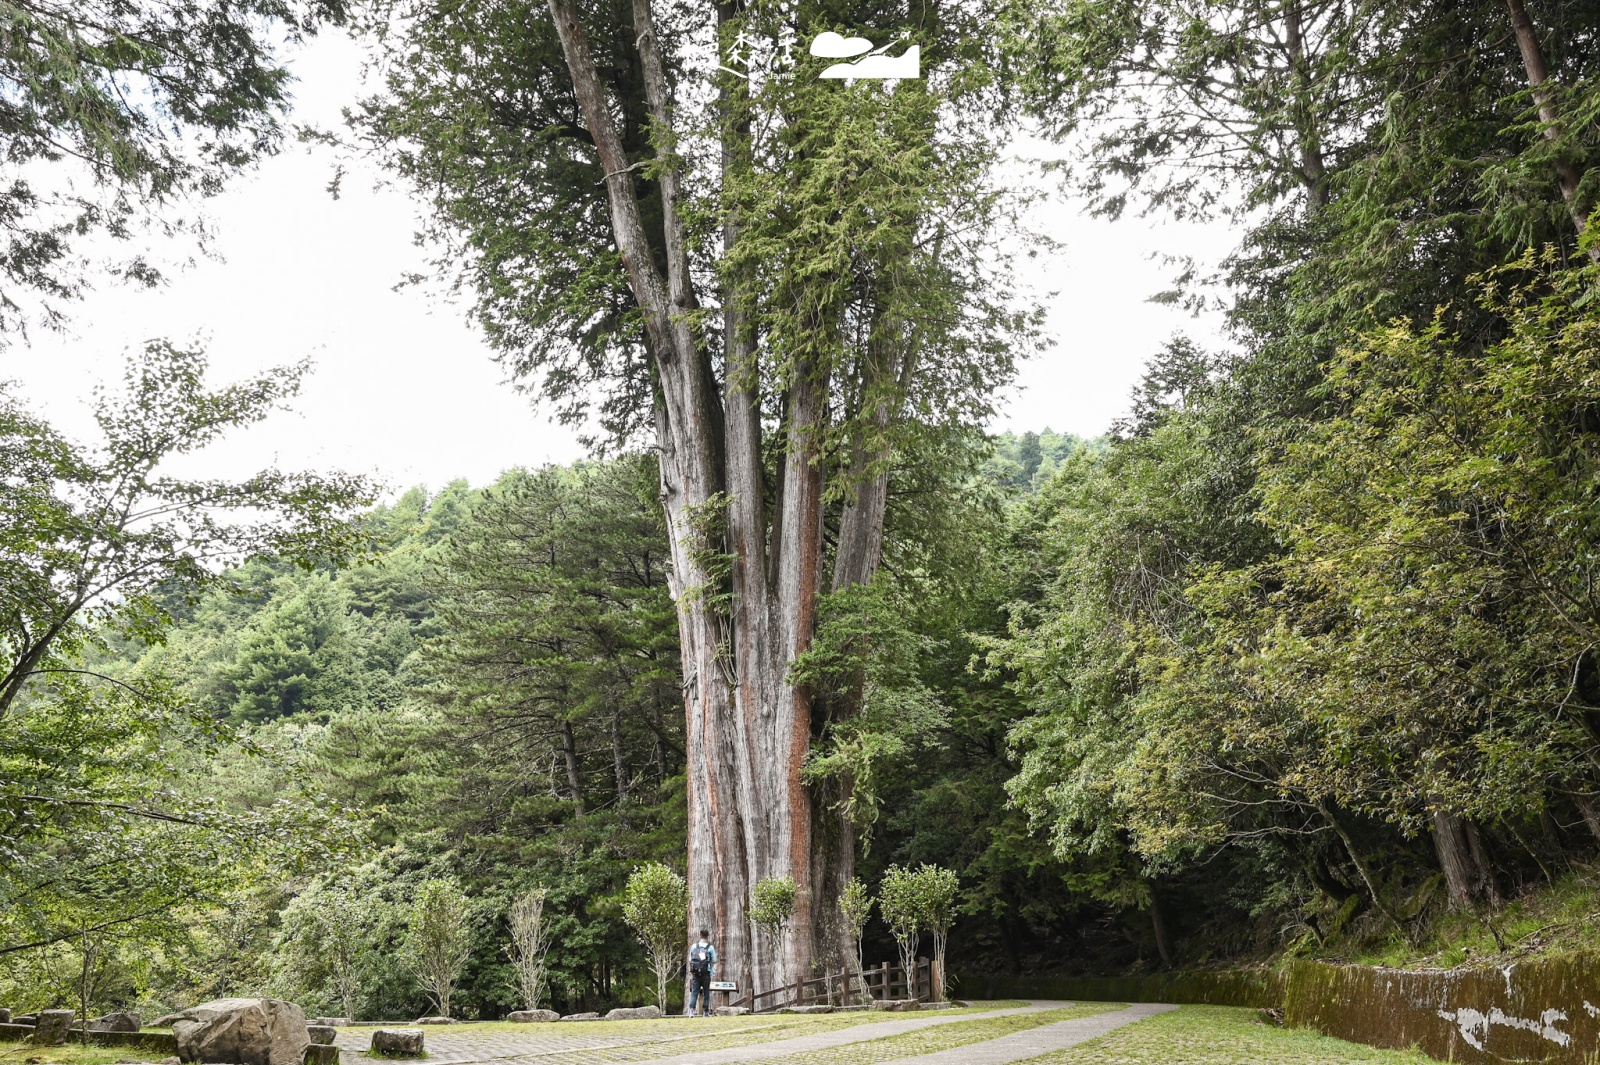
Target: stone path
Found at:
464, 1047
1036, 1041
448, 1045
860, 1033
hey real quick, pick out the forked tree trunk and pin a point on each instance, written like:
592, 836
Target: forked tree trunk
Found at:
746, 587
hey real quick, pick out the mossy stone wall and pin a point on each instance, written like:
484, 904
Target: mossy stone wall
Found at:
1539, 1011
1546, 1010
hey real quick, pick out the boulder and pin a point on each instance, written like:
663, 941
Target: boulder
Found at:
898, 1005
121, 1021
321, 1034
242, 1031
322, 1054
50, 1029
581, 1017
638, 1013
732, 1011
397, 1042
533, 1016
5, 1015
433, 1020
25, 1018
807, 1009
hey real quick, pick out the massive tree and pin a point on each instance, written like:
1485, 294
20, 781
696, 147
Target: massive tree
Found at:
789, 283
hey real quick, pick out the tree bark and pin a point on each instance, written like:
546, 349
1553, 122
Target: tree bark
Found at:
619, 767
1591, 812
1312, 167
1362, 870
1538, 74
746, 578
569, 754
1480, 856
1455, 859
1158, 925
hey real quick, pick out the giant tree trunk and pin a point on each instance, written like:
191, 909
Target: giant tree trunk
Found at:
746, 583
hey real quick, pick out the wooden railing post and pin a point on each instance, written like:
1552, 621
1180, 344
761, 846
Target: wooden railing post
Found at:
886, 981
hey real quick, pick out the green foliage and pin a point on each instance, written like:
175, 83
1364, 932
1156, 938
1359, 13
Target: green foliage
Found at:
151, 104
99, 539
528, 733
110, 848
901, 902
771, 908
938, 888
867, 652
324, 952
437, 941
772, 903
1030, 460
913, 901
855, 906
294, 656
655, 903
522, 220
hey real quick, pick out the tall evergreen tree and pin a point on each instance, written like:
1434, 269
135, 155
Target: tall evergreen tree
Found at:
789, 282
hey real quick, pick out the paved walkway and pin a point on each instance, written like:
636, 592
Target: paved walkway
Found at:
464, 1047
1036, 1041
859, 1033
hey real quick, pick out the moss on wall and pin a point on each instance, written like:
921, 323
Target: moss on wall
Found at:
1546, 1010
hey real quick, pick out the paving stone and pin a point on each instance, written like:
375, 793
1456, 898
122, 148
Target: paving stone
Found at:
1036, 1041
666, 1042
859, 1033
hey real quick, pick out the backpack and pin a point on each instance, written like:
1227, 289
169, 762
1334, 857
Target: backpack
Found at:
700, 958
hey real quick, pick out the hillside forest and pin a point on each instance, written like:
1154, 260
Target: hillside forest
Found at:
1298, 659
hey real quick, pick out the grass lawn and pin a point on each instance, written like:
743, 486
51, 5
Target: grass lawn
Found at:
72, 1054
1220, 1035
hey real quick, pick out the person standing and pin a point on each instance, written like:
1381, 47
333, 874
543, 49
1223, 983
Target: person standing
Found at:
702, 967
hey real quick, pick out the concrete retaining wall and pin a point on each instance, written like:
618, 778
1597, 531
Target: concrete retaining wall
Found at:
1543, 1011
1539, 1011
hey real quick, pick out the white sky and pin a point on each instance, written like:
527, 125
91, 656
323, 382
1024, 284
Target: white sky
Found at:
405, 389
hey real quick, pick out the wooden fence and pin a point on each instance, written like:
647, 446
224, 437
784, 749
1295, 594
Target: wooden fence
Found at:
846, 988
